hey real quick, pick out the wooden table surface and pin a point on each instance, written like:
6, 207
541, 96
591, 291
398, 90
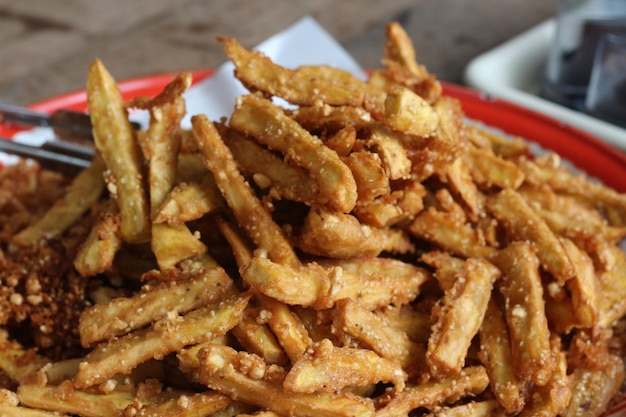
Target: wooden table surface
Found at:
47, 45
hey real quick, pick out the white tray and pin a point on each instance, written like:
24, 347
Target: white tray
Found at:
512, 71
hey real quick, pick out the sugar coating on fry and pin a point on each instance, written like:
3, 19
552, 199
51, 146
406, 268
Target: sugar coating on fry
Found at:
459, 317
260, 118
115, 141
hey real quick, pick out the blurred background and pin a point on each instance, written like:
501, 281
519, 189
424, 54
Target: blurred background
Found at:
47, 45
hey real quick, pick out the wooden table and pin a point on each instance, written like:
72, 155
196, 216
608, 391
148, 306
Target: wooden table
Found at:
47, 45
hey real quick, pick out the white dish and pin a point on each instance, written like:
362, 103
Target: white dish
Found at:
512, 71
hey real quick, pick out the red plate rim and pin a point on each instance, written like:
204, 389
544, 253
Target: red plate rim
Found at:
598, 159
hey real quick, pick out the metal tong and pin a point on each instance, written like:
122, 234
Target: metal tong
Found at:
68, 153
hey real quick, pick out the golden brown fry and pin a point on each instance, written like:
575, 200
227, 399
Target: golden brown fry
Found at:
552, 398
173, 333
461, 183
399, 48
340, 235
269, 125
447, 267
501, 145
458, 317
189, 201
257, 72
582, 287
374, 282
173, 243
121, 315
496, 355
269, 171
522, 223
66, 399
489, 170
328, 118
328, 368
306, 285
407, 319
116, 143
186, 405
251, 214
84, 191
471, 381
487, 408
286, 325
611, 280
370, 177
16, 362
257, 338
351, 319
407, 112
228, 371
522, 288
449, 234
389, 147
98, 251
10, 410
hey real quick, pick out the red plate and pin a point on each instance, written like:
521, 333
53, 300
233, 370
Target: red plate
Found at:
596, 158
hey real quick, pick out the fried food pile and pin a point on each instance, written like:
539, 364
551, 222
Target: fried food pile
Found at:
365, 251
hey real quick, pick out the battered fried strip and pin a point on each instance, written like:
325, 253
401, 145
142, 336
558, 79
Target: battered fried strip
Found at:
115, 141
522, 223
10, 410
189, 201
268, 170
409, 113
287, 326
173, 243
84, 191
552, 398
186, 405
471, 381
487, 408
489, 170
221, 370
583, 287
371, 179
375, 282
268, 124
301, 86
331, 118
340, 235
328, 368
460, 181
16, 362
594, 389
121, 315
257, 338
495, 354
389, 147
170, 335
458, 317
612, 285
66, 399
250, 213
522, 288
97, 253
405, 318
306, 285
561, 179
449, 234
352, 319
